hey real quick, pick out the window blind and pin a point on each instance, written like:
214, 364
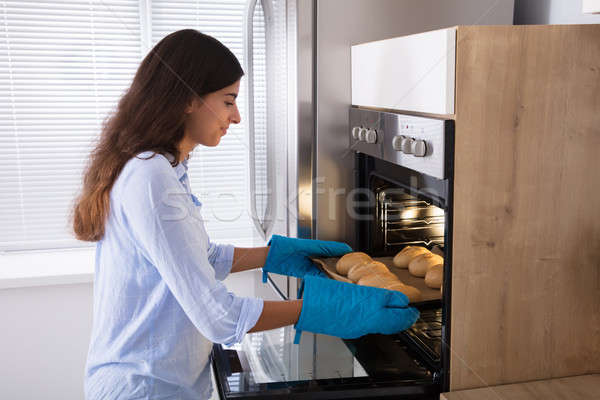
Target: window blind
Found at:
63, 67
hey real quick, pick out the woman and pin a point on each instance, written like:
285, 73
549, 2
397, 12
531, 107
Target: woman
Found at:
159, 302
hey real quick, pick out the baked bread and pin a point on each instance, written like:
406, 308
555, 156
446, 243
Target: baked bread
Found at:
407, 254
366, 268
349, 260
420, 264
378, 279
435, 276
411, 292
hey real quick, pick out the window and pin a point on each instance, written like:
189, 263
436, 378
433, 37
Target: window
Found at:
63, 68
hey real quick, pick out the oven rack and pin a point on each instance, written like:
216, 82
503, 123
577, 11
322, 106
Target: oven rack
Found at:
414, 221
406, 203
398, 217
425, 335
405, 220
431, 242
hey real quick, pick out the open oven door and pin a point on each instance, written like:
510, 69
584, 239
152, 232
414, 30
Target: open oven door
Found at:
268, 365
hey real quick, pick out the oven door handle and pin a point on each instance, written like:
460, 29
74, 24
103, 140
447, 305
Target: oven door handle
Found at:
263, 225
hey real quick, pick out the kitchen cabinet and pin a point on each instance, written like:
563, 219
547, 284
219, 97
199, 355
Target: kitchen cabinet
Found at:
419, 67
525, 301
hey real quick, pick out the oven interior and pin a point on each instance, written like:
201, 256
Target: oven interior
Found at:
401, 212
402, 219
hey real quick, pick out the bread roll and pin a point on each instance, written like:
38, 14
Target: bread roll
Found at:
366, 268
378, 279
435, 276
347, 261
407, 254
420, 264
411, 292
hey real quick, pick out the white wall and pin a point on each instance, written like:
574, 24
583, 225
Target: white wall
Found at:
44, 337
552, 12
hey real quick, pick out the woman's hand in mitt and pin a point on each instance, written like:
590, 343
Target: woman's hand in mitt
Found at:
349, 311
289, 256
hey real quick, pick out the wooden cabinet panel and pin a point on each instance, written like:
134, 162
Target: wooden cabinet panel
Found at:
526, 245
585, 387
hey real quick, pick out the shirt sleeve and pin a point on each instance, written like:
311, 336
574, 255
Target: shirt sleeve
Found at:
169, 231
220, 257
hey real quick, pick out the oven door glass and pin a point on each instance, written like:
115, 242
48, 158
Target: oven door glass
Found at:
269, 365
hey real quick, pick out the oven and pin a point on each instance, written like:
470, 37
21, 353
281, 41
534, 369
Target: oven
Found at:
401, 195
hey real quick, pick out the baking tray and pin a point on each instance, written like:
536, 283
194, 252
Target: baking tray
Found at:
328, 266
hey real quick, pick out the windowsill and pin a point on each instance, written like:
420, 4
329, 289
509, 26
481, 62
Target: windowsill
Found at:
44, 268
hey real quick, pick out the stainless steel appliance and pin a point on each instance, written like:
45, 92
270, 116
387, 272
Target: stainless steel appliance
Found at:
404, 177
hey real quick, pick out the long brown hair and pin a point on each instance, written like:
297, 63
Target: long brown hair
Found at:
150, 116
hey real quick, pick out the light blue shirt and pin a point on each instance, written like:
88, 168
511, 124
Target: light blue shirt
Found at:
159, 302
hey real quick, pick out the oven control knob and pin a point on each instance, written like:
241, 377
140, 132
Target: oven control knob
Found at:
371, 136
407, 145
419, 148
397, 143
355, 132
362, 134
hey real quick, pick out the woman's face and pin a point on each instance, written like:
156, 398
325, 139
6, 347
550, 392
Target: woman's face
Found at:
208, 118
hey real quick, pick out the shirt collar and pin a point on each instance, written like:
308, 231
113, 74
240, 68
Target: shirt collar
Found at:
181, 168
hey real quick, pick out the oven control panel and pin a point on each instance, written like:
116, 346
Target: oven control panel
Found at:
413, 142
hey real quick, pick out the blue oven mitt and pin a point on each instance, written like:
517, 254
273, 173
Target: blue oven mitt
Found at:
289, 256
349, 311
